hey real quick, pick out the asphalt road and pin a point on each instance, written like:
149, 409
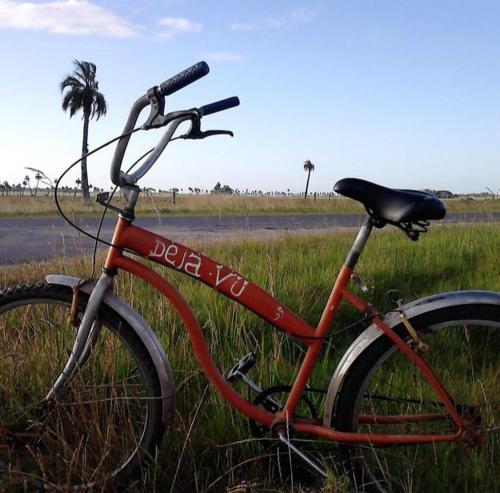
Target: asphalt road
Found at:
34, 239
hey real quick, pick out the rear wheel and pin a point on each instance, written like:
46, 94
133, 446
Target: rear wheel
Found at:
464, 352
101, 426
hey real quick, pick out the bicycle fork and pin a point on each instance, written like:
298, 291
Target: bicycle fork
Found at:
86, 336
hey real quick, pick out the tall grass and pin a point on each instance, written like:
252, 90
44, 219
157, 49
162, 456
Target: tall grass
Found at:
207, 446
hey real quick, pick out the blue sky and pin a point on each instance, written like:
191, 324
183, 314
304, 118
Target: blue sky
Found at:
403, 93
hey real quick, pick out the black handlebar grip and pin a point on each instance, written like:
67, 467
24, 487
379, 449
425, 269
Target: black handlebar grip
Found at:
222, 105
184, 78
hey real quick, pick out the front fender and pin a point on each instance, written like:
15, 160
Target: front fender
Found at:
142, 329
372, 333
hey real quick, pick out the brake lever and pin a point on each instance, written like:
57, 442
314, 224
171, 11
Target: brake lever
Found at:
198, 134
156, 118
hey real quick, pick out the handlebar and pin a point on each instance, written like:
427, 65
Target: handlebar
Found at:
222, 105
166, 88
117, 177
184, 78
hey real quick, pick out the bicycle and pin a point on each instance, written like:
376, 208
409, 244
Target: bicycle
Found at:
102, 390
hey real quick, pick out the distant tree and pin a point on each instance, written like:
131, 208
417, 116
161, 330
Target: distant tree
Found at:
26, 182
81, 92
78, 183
446, 194
222, 189
39, 176
308, 166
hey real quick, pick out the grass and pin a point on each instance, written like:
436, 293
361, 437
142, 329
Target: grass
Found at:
27, 206
207, 446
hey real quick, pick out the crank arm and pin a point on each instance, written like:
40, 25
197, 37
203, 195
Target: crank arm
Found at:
315, 466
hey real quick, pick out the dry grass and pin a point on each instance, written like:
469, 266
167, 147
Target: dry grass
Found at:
16, 206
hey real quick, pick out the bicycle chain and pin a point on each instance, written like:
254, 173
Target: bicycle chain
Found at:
259, 430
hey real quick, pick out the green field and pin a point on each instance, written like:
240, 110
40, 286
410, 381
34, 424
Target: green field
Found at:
299, 272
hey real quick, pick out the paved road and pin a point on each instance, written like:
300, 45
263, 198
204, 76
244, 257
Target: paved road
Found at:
26, 239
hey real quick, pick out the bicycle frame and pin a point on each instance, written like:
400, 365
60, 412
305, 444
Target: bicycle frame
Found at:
176, 256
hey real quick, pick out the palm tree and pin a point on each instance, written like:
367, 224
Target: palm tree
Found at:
27, 182
78, 183
308, 166
39, 176
82, 93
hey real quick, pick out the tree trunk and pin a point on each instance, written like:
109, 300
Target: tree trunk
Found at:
85, 149
307, 184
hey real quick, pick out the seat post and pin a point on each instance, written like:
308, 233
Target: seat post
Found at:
359, 243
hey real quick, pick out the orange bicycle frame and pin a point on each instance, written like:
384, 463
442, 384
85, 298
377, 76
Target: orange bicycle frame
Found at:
233, 285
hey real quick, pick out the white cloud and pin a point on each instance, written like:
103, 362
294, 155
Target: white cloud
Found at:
296, 16
244, 26
224, 56
75, 17
176, 25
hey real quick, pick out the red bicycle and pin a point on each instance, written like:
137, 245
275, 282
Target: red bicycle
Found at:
418, 383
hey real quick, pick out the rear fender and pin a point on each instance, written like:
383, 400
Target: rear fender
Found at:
142, 329
372, 333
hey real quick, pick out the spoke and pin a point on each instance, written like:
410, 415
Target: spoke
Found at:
403, 399
109, 399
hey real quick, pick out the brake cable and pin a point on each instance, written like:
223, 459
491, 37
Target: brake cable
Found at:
97, 237
69, 168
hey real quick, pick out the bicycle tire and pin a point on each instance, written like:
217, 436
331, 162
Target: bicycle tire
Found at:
383, 381
100, 431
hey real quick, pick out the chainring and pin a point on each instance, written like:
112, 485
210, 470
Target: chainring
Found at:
259, 430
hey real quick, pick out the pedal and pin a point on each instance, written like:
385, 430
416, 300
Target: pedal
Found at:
239, 371
241, 368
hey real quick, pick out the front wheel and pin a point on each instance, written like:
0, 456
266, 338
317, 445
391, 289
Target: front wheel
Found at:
464, 353
104, 422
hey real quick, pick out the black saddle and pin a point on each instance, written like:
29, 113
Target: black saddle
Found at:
388, 205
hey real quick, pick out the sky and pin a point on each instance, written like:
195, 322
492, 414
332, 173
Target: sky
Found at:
403, 93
